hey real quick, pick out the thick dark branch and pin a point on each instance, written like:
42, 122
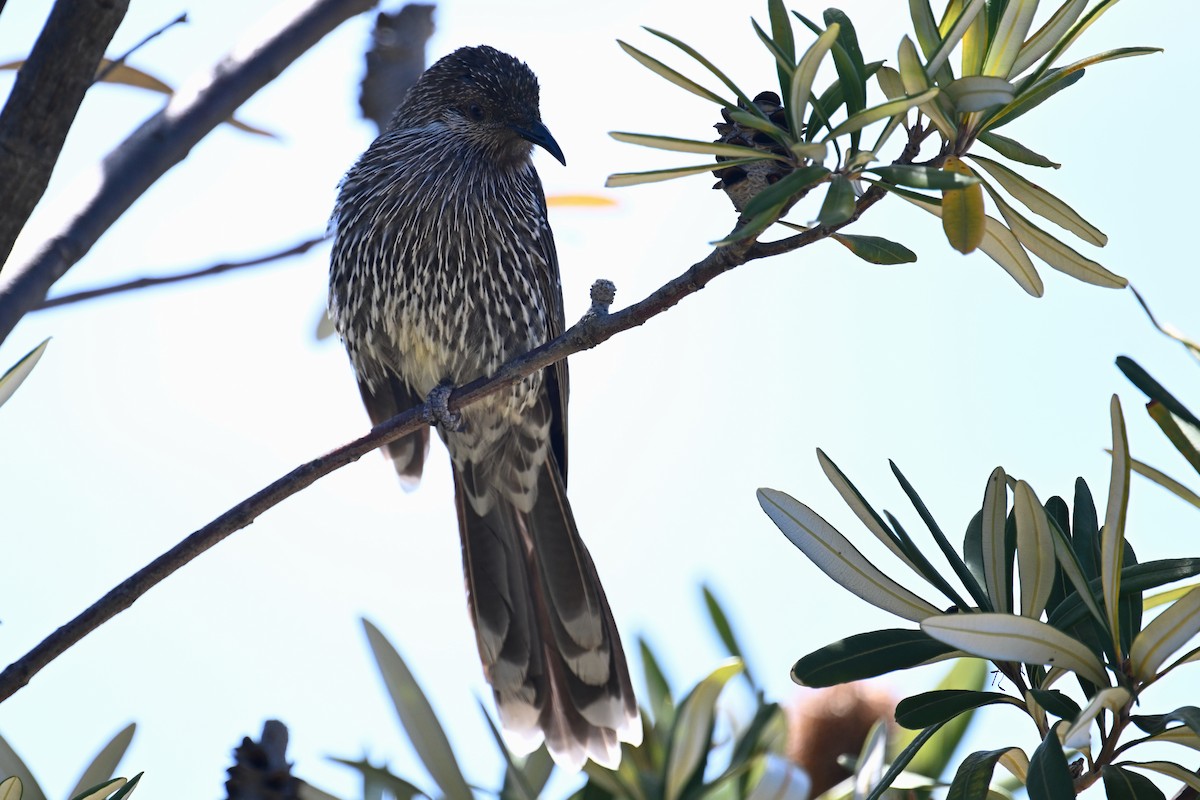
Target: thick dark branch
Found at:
146, 283
596, 326
44, 100
161, 143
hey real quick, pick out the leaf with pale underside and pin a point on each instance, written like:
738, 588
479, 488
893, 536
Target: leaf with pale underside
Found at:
1168, 768
693, 729
10, 788
840, 560
1036, 564
17, 373
653, 176
1014, 150
105, 762
996, 565
806, 72
1112, 536
1006, 637
694, 146
1077, 735
923, 177
721, 76
1165, 634
1042, 202
862, 509
1009, 36
675, 77
953, 35
863, 118
1048, 35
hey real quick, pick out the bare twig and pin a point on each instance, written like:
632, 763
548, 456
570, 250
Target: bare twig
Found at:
589, 332
44, 100
146, 283
121, 59
159, 144
1166, 330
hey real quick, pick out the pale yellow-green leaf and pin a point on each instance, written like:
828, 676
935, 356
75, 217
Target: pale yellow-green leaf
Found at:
912, 75
806, 73
634, 178
105, 763
1041, 202
693, 146
979, 93
1168, 596
18, 372
420, 723
683, 82
1180, 734
1168, 768
11, 764
1007, 637
690, 740
962, 211
891, 108
1165, 481
859, 506
995, 555
1053, 251
813, 151
1047, 36
1035, 551
1112, 535
951, 37
10, 788
833, 554
1110, 699
974, 45
924, 25
1008, 37
1016, 762
1165, 634
890, 83
101, 791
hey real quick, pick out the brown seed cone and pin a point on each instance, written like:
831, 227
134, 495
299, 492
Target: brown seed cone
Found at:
260, 770
824, 724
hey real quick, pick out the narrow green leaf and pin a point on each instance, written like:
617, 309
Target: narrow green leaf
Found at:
785, 41
1078, 733
806, 72
924, 177
929, 708
1049, 775
417, 717
1165, 634
659, 68
974, 775
875, 249
1048, 35
785, 189
863, 118
1134, 580
851, 69
1168, 768
1014, 150
634, 178
1030, 98
1154, 390
953, 35
724, 630
928, 571
901, 761
784, 62
658, 691
979, 93
838, 206
948, 552
1165, 481
514, 776
997, 567
693, 146
912, 75
11, 764
1072, 569
690, 737
376, 780
924, 25
128, 788
721, 76
840, 560
748, 120
1057, 703
1112, 537
1009, 36
104, 765
1006, 637
1121, 784
1157, 723
1036, 564
967, 673
18, 372
755, 225
1042, 202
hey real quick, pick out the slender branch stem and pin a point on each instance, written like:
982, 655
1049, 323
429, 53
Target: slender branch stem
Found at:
596, 327
108, 68
148, 282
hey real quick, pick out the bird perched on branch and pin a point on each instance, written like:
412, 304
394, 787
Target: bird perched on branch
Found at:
443, 269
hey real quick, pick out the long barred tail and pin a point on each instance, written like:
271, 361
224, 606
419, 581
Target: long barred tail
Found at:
547, 638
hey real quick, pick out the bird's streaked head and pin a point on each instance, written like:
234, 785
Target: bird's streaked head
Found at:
485, 96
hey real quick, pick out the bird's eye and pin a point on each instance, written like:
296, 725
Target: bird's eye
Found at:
475, 111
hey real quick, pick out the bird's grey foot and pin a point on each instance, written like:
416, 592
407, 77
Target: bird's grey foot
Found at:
439, 408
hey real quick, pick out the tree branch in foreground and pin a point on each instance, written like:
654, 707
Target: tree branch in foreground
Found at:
159, 144
146, 283
44, 100
597, 326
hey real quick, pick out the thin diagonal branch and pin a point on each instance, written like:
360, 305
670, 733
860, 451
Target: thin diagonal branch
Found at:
121, 59
44, 100
159, 144
595, 327
162, 280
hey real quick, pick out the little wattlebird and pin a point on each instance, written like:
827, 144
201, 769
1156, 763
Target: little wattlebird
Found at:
444, 268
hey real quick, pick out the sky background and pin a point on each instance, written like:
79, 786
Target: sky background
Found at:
153, 412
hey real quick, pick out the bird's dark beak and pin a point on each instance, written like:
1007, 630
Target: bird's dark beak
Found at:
539, 134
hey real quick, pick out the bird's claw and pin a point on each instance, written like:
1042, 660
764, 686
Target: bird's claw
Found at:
439, 411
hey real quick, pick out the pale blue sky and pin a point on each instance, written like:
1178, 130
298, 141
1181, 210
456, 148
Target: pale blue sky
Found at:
152, 413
